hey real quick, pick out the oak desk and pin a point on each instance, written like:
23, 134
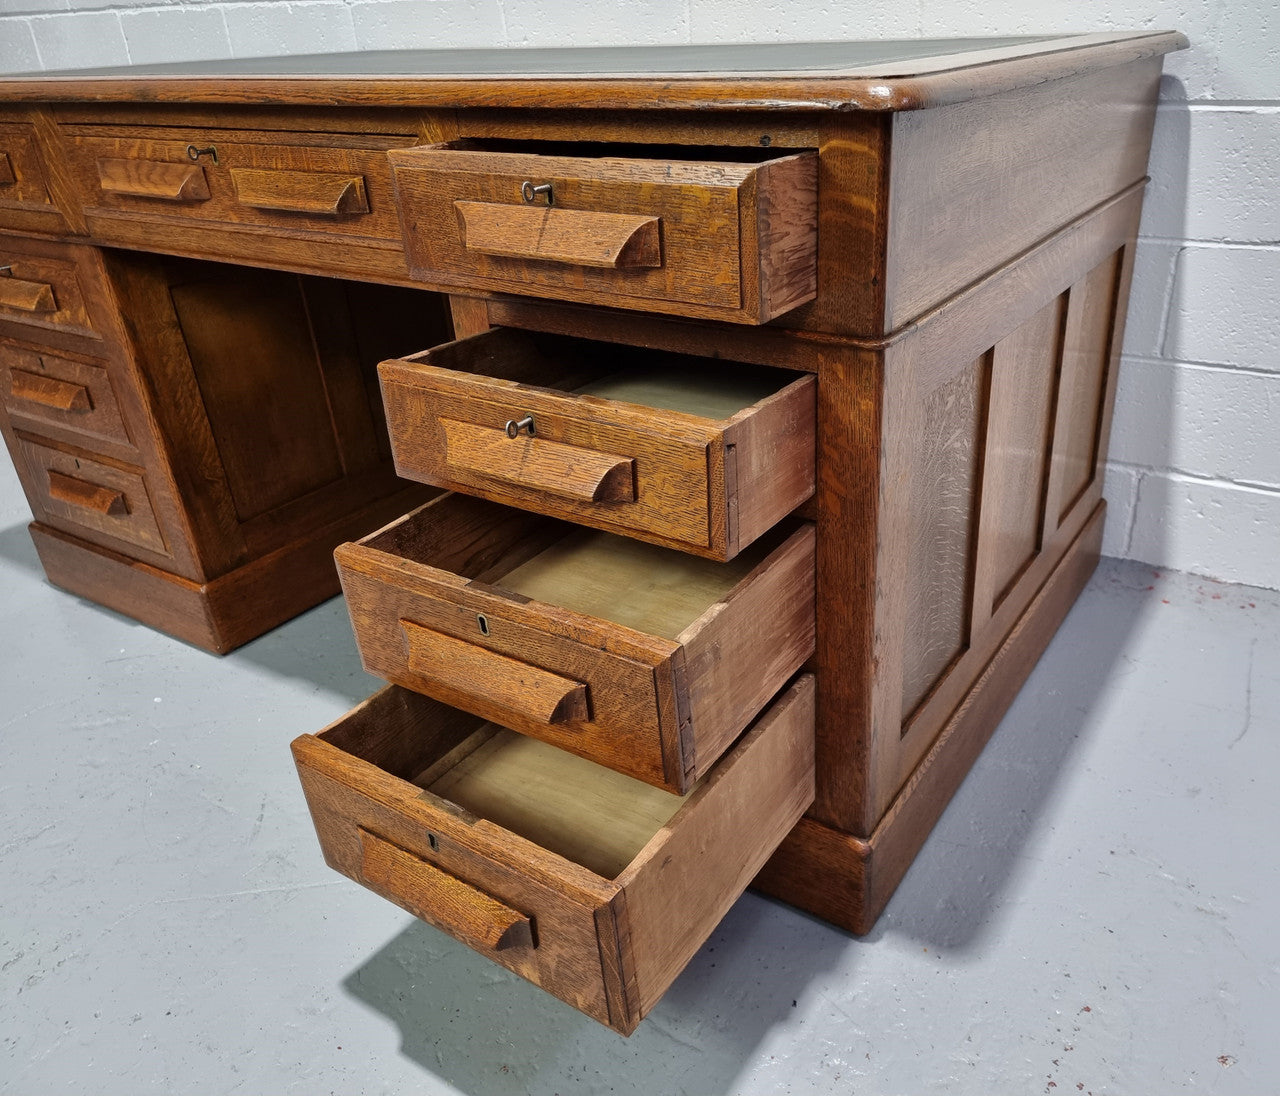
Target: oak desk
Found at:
773, 386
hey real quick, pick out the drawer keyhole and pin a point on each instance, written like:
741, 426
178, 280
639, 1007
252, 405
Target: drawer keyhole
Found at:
483, 622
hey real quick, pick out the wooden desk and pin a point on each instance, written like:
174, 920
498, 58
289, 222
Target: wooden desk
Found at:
778, 420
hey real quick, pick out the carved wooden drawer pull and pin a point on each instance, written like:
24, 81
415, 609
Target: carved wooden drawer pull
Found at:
153, 179
87, 496
49, 391
7, 177
466, 670
475, 918
578, 237
27, 296
322, 193
549, 467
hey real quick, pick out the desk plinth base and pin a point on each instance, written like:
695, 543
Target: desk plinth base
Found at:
848, 880
228, 611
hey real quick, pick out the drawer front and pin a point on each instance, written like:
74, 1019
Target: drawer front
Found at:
702, 484
324, 184
47, 391
726, 240
657, 707
22, 184
101, 502
505, 876
42, 291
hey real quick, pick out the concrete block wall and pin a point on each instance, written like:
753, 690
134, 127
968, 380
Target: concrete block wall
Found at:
1194, 479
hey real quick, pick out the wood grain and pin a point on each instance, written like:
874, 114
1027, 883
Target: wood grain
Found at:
106, 501
42, 290
1011, 170
953, 76
101, 502
27, 296
848, 880
576, 237
473, 916
154, 179
608, 943
943, 509
682, 423
686, 879
26, 201
581, 811
49, 392
589, 608
322, 194
721, 222
1024, 384
538, 465
466, 671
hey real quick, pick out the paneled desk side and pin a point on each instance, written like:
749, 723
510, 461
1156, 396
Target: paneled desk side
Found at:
970, 232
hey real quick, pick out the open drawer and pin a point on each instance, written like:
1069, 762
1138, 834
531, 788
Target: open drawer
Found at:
589, 884
727, 233
694, 453
643, 659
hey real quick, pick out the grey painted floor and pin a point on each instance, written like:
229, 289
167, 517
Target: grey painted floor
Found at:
1096, 912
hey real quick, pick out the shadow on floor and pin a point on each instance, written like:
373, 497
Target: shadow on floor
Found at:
483, 1030
956, 883
16, 547
317, 647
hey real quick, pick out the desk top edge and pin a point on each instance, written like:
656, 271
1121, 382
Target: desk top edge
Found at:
940, 72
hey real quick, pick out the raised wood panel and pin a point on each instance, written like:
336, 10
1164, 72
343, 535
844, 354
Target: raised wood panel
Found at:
1024, 383
943, 510
1086, 357
249, 341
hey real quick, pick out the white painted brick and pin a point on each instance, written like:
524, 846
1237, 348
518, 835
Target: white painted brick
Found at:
427, 24
1213, 174
599, 23
86, 5
1247, 44
787, 21
1210, 528
271, 30
1226, 307
1153, 269
18, 51
83, 39
1190, 72
1207, 421
152, 33
1119, 489
33, 7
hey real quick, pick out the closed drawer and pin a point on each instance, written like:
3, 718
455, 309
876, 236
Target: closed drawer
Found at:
593, 886
640, 658
732, 236
22, 185
42, 291
60, 394
310, 183
101, 502
700, 455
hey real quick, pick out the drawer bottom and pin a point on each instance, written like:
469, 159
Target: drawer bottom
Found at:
589, 883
